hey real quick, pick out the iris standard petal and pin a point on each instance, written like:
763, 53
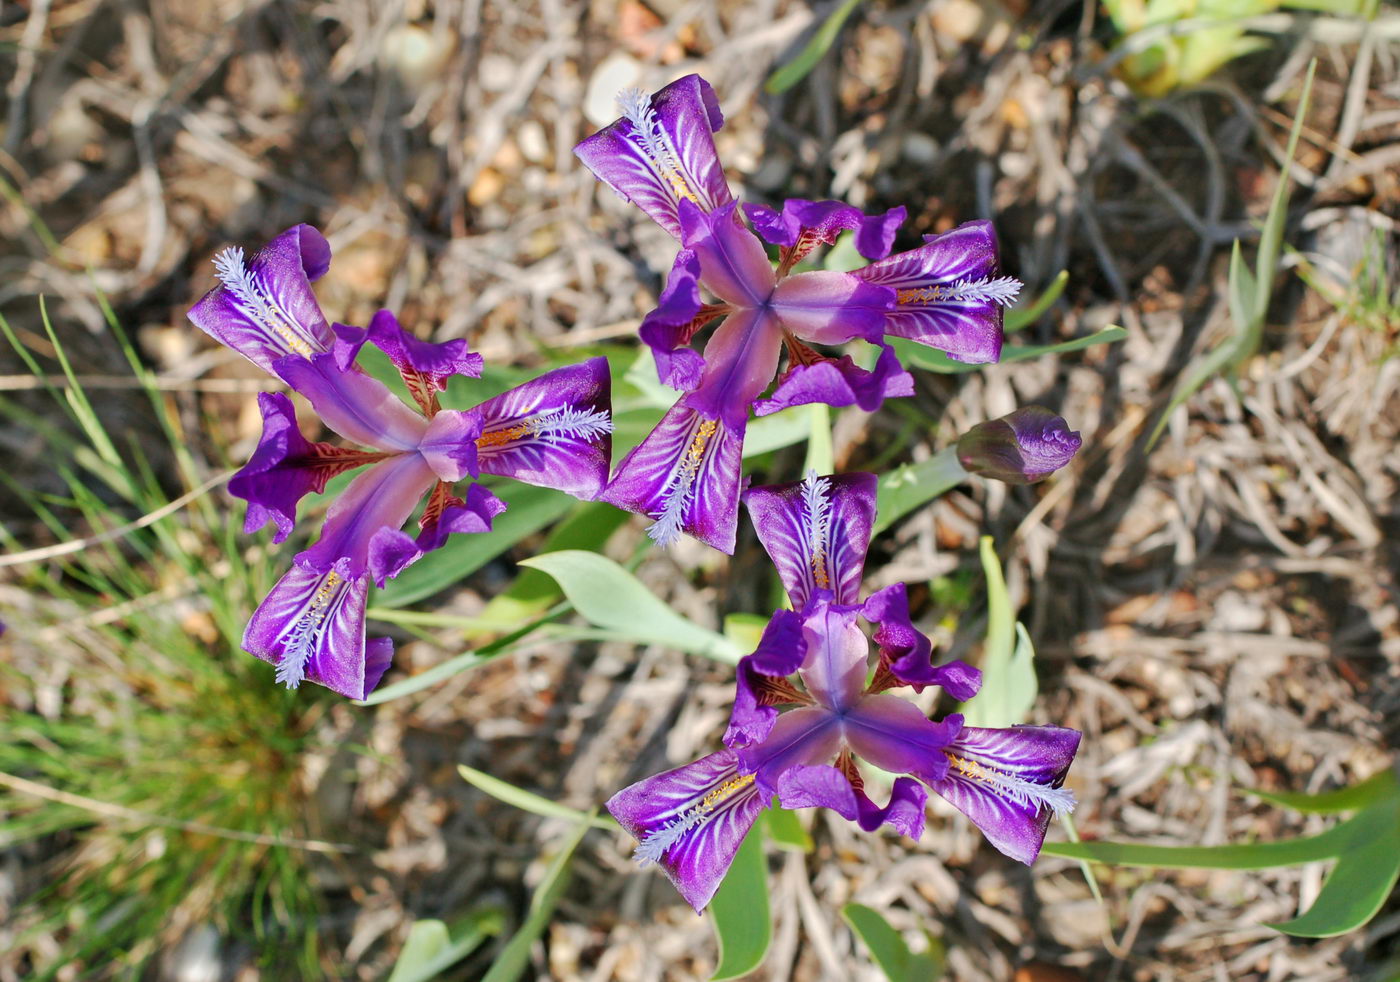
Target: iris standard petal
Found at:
831, 308
685, 474
761, 684
1022, 447
895, 736
691, 821
449, 445
286, 467
680, 313
834, 669
741, 358
906, 652
265, 309
1010, 782
554, 431
816, 531
662, 151
382, 497
733, 263
359, 408
840, 382
803, 225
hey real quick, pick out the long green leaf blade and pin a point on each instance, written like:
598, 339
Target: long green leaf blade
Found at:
528, 801
888, 948
741, 918
796, 70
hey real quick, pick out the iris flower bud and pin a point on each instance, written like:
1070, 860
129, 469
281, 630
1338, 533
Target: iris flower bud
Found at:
1021, 447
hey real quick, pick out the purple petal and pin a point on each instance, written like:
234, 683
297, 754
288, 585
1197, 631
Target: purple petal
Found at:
554, 432
816, 532
449, 446
828, 787
896, 736
810, 735
733, 264
741, 358
285, 467
761, 685
1009, 782
834, 668
359, 408
907, 654
391, 551
949, 295
680, 313
382, 497
840, 383
662, 151
685, 474
266, 309
1021, 447
831, 308
803, 225
692, 821
312, 626
904, 812
425, 366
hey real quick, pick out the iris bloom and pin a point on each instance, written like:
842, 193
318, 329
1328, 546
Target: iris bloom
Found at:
554, 432
946, 294
1008, 781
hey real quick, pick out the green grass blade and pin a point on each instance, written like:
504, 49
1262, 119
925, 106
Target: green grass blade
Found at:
529, 801
820, 454
796, 70
1019, 318
1381, 785
888, 948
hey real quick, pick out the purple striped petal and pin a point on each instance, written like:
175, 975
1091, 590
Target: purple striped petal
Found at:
741, 358
817, 532
895, 736
803, 225
811, 735
733, 264
359, 408
381, 498
834, 668
1009, 782
907, 654
425, 366
265, 309
840, 383
1022, 447
662, 151
312, 626
824, 786
691, 820
762, 683
554, 431
831, 308
949, 295
286, 467
680, 313
685, 474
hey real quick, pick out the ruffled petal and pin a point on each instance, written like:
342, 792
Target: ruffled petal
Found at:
840, 382
733, 264
811, 735
381, 498
949, 295
906, 652
286, 467
680, 313
895, 736
266, 309
803, 225
685, 474
359, 408
691, 820
823, 786
312, 626
762, 683
831, 308
1010, 782
1022, 447
817, 532
391, 551
662, 151
425, 366
554, 431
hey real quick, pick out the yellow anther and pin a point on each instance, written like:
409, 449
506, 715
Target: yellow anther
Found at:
695, 453
968, 768
726, 789
508, 435
928, 294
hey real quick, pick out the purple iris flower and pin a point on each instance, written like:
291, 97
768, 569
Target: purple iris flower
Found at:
946, 294
554, 432
691, 820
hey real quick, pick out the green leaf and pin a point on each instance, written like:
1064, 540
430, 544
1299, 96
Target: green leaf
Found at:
514, 958
1018, 318
611, 598
530, 509
430, 949
740, 914
1067, 820
912, 485
423, 680
745, 630
782, 429
889, 950
796, 70
1009, 684
933, 360
820, 454
785, 829
1381, 785
529, 801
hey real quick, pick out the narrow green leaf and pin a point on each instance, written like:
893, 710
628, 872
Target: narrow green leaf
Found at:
514, 958
782, 429
888, 948
430, 949
1372, 789
745, 630
740, 914
426, 679
1008, 670
611, 598
1257, 855
1271, 238
912, 485
933, 360
820, 454
785, 829
1018, 318
529, 801
1067, 820
796, 70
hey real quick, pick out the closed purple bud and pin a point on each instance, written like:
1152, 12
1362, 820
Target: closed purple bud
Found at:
1021, 447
